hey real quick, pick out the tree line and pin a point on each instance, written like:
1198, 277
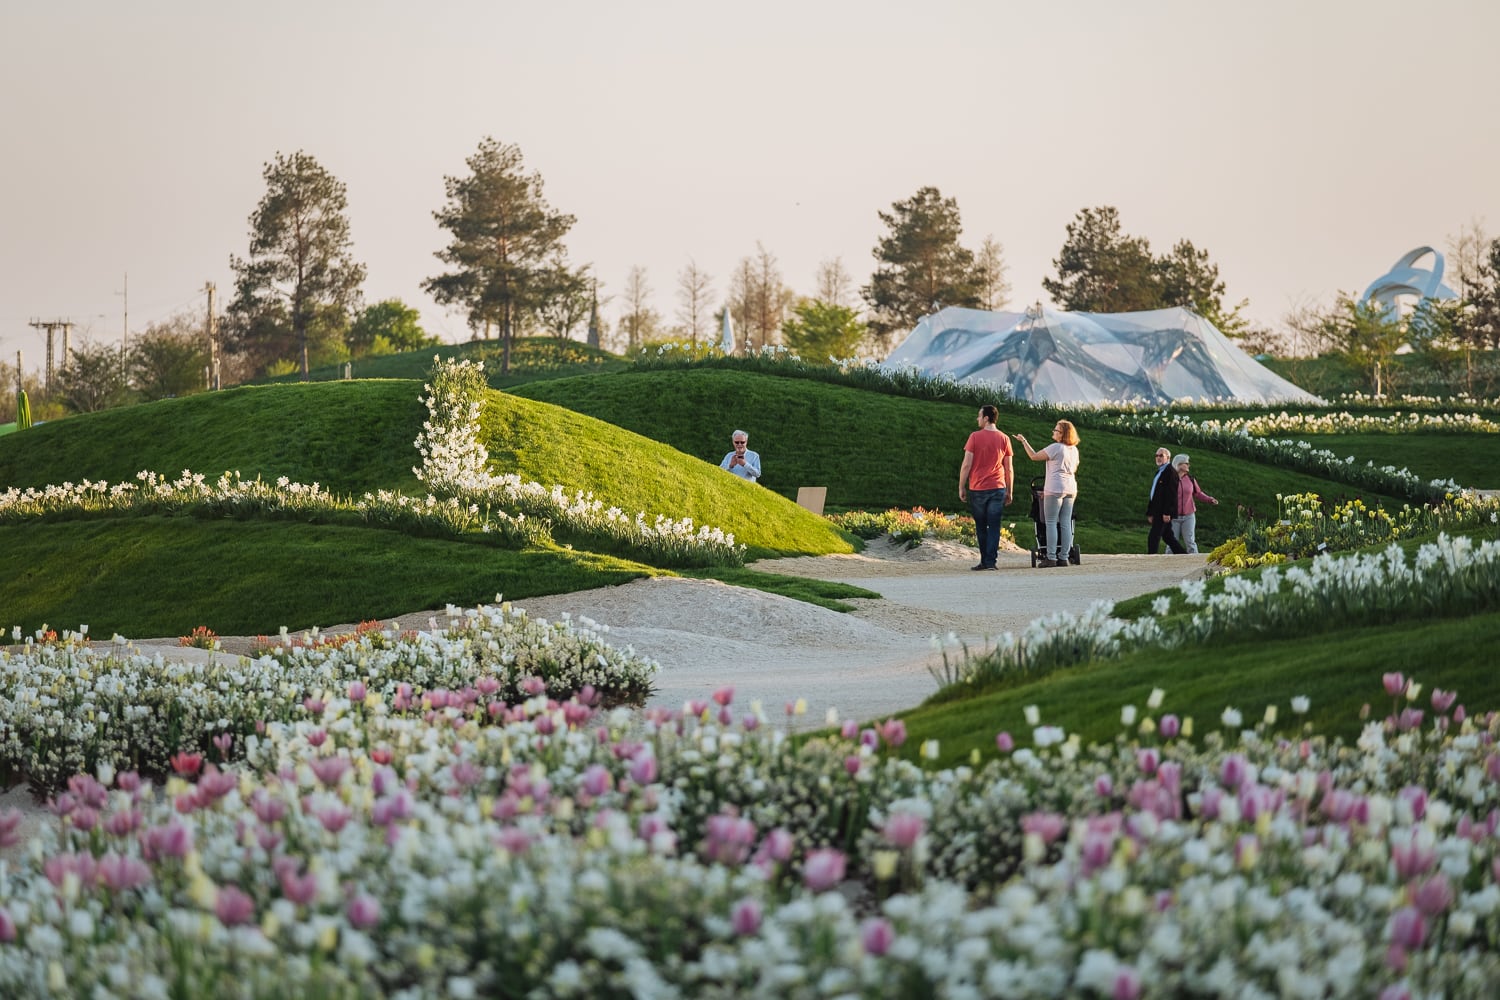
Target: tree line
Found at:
297, 299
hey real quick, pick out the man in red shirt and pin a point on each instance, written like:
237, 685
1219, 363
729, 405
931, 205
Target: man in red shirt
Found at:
984, 481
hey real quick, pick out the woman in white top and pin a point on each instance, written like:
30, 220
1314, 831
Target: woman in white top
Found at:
1059, 490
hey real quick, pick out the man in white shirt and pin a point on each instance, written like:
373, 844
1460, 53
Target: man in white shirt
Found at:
742, 461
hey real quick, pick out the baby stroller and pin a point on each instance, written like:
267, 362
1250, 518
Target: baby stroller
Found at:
1039, 525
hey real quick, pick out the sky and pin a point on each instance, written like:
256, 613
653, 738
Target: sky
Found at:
1305, 145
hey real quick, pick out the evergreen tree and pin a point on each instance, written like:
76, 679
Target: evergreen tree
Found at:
299, 257
922, 266
506, 243
1101, 269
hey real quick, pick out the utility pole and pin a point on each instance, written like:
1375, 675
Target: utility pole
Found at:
125, 310
52, 326
213, 340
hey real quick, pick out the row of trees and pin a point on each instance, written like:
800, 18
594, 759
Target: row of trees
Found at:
297, 294
507, 267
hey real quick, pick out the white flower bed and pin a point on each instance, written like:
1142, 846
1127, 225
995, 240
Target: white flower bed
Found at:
67, 706
1452, 575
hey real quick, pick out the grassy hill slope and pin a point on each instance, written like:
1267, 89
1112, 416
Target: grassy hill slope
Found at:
875, 451
358, 436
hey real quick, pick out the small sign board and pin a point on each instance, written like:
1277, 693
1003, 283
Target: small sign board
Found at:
812, 497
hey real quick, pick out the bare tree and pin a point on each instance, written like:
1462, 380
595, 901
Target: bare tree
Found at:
989, 268
639, 321
758, 299
1307, 329
835, 286
694, 309
1467, 250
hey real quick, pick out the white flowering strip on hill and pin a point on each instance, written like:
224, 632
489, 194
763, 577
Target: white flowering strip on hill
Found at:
358, 850
1293, 454
454, 463
232, 496
1452, 575
1349, 423
69, 706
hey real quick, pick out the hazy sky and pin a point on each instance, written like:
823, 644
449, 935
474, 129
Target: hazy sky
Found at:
1306, 145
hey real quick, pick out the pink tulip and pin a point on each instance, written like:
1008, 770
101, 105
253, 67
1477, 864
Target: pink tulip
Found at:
597, 780
171, 841
893, 731
1127, 984
1408, 928
121, 823
363, 912
777, 846
1432, 895
233, 907
329, 770
852, 764
7, 927
1047, 825
186, 764
876, 936
903, 830
724, 695
823, 869
1147, 760
1169, 727
1233, 771
513, 840
119, 872
1443, 700
745, 917
643, 769
1395, 684
849, 730
1412, 859
1004, 742
301, 889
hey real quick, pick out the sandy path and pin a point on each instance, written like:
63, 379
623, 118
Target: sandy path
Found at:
873, 661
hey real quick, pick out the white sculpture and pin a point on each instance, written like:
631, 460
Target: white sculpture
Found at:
1044, 355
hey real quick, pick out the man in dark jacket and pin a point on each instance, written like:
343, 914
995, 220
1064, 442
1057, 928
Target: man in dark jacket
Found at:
1163, 506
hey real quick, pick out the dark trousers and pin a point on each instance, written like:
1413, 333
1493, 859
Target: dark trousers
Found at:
988, 508
1161, 531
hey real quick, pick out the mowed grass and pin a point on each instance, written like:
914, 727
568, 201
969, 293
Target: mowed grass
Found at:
155, 576
1339, 671
358, 436
349, 437
875, 451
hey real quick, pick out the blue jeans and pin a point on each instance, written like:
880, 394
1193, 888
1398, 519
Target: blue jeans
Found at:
988, 507
1057, 511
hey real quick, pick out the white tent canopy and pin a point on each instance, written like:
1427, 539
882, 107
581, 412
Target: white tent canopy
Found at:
1044, 355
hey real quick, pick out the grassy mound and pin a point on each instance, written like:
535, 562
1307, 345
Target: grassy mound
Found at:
875, 451
157, 576
357, 436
